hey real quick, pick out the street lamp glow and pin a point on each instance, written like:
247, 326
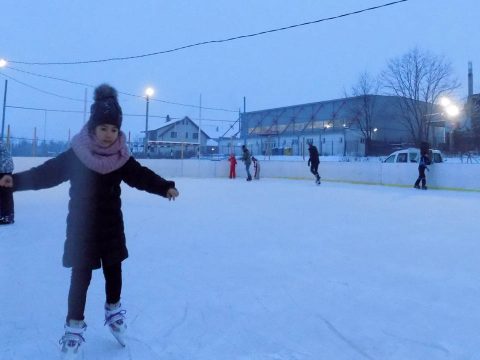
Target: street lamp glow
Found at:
452, 110
375, 129
3, 63
149, 92
444, 101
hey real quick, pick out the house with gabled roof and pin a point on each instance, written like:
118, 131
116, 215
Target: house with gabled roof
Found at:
177, 138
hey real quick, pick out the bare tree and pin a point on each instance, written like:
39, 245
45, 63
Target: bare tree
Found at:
419, 78
363, 110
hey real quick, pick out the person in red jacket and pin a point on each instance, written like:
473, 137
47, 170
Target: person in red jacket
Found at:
233, 163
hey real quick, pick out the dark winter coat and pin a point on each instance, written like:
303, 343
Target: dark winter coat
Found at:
424, 162
246, 157
314, 157
95, 233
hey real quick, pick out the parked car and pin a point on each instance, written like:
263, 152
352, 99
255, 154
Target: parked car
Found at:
412, 155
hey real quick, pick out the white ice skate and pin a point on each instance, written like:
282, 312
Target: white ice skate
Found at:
115, 319
72, 340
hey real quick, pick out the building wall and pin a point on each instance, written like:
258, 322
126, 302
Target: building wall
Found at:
329, 124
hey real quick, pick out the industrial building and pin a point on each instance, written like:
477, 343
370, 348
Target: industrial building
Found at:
339, 127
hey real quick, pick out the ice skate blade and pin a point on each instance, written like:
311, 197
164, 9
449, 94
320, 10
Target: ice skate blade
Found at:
71, 355
120, 337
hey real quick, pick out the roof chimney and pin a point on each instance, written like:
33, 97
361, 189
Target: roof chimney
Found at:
470, 79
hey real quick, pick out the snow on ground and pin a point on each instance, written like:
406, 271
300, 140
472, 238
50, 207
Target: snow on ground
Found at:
263, 270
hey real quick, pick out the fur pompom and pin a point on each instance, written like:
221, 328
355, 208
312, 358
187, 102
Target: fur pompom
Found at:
103, 92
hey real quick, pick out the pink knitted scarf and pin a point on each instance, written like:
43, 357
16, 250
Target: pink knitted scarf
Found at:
98, 158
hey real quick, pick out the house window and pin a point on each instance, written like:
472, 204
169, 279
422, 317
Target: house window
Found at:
173, 134
186, 135
195, 136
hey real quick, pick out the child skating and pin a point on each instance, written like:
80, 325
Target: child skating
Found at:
233, 164
96, 164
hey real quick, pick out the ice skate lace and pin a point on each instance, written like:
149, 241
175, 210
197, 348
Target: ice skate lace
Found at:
119, 315
77, 338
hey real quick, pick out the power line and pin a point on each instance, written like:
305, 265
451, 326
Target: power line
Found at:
124, 115
120, 92
38, 89
209, 41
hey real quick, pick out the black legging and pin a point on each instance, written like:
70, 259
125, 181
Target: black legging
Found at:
421, 177
77, 296
314, 168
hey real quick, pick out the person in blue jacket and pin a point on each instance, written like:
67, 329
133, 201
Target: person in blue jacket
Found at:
95, 165
422, 166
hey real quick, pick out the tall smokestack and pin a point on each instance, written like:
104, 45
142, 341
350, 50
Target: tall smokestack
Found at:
470, 79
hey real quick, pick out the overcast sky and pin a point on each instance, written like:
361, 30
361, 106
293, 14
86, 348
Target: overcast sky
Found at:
305, 64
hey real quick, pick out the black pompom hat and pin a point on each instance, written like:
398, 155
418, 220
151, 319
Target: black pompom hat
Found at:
105, 109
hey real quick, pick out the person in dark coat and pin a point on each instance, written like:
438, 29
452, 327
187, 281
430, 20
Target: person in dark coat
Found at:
247, 160
314, 161
422, 166
97, 162
7, 212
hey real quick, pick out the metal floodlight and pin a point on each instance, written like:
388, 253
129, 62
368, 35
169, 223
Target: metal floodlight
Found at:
149, 91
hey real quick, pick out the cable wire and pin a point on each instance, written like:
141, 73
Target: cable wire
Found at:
38, 89
120, 92
209, 41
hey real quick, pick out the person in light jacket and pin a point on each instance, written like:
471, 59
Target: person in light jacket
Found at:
256, 168
247, 160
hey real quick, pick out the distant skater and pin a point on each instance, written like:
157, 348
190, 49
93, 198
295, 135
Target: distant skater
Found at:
422, 166
314, 161
233, 164
247, 160
256, 168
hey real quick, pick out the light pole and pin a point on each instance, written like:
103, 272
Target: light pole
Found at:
449, 110
148, 93
3, 63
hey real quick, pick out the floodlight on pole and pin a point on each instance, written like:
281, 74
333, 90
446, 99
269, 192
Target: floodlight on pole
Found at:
444, 101
452, 110
3, 63
148, 93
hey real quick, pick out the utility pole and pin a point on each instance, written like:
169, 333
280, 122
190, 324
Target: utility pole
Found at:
4, 107
85, 107
200, 128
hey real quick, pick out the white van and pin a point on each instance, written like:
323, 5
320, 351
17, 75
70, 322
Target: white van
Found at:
412, 155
